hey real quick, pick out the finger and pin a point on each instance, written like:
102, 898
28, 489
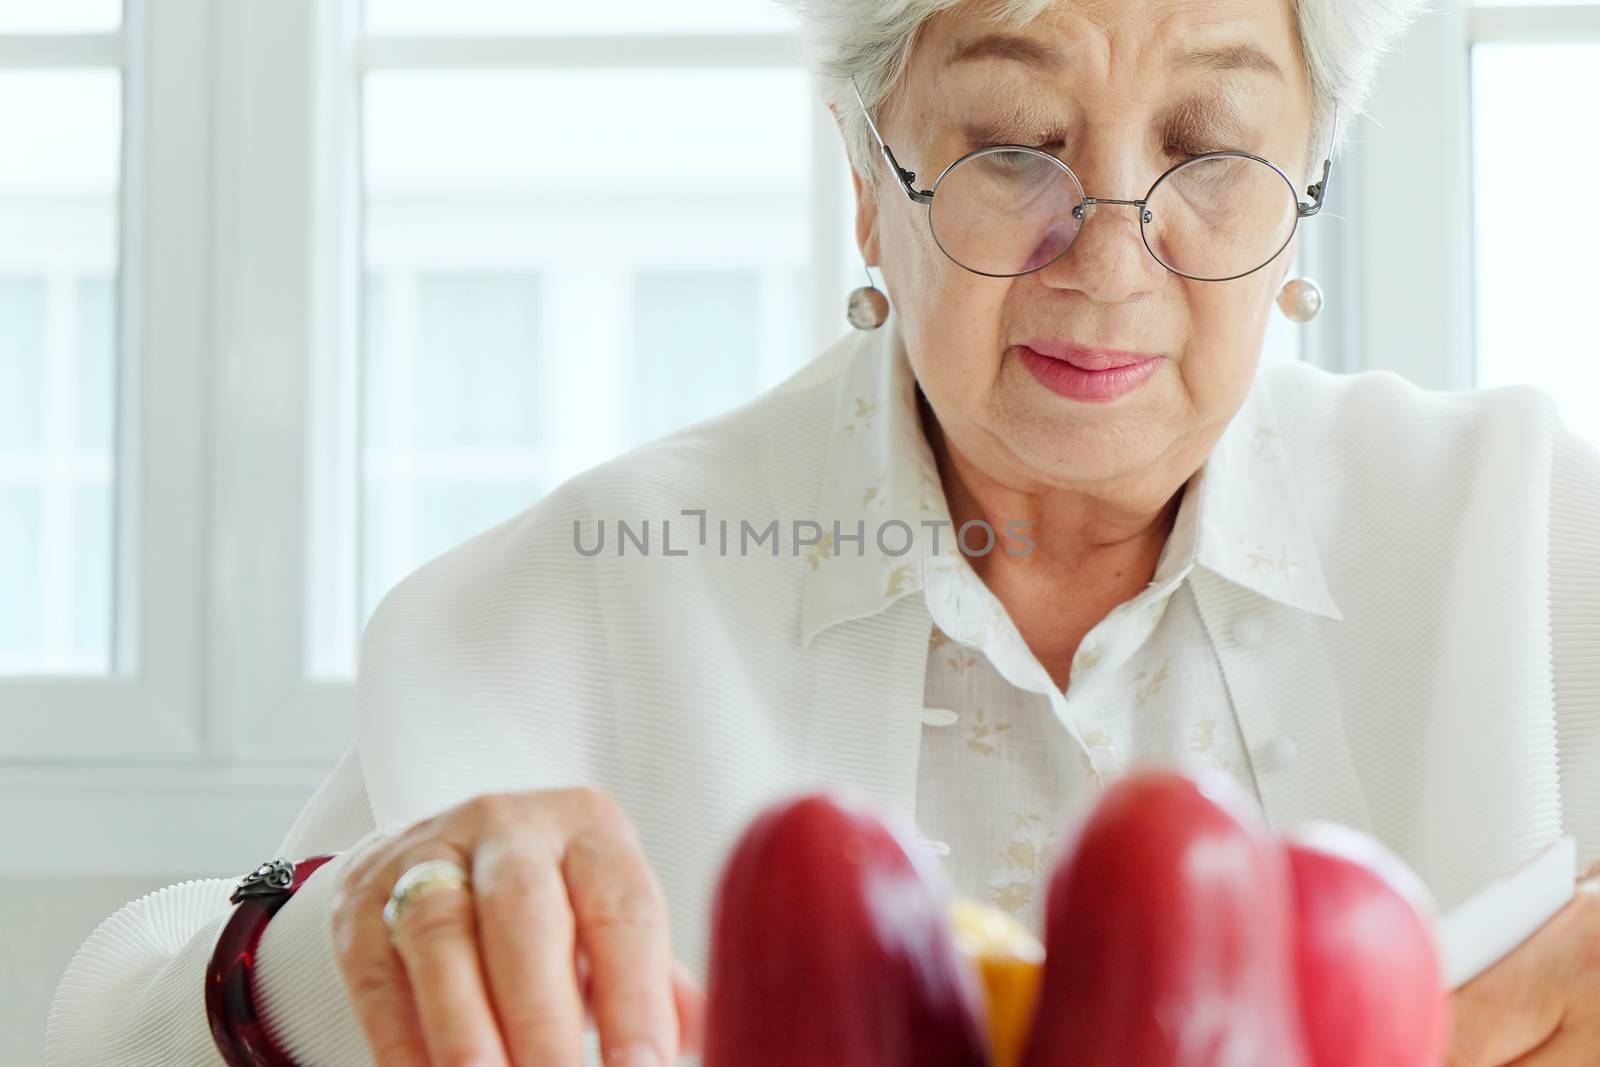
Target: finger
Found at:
438, 943
526, 936
691, 1005
687, 997
1500, 1019
380, 994
1568, 1048
622, 924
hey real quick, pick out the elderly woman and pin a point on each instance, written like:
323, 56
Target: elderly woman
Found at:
1043, 519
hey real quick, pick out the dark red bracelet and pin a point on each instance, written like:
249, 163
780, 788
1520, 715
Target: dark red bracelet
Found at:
236, 1026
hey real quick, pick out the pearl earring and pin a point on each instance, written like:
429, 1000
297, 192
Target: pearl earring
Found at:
868, 307
1300, 299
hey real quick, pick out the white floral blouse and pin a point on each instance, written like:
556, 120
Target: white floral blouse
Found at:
998, 767
1004, 750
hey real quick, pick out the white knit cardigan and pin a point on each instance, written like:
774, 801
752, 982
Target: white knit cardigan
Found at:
1454, 710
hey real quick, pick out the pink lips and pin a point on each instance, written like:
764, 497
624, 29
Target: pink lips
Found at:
1084, 373
1085, 358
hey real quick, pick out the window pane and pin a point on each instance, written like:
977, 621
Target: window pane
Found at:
59, 16
94, 373
91, 585
22, 364
692, 331
21, 560
478, 356
1536, 235
58, 260
378, 570
618, 16
451, 510
651, 137
548, 286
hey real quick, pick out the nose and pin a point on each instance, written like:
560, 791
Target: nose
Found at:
1108, 261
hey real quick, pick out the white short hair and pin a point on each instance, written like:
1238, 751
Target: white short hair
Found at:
872, 40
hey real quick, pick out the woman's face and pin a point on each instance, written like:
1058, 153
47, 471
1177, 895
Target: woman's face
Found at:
1120, 105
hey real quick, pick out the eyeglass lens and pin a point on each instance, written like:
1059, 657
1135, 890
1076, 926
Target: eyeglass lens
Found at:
1007, 211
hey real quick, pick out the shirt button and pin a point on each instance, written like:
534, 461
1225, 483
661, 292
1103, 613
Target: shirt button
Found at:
939, 717
1278, 754
1250, 630
938, 848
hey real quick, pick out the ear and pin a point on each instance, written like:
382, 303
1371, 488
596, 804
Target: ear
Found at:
866, 203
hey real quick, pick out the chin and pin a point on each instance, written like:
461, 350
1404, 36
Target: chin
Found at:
1063, 453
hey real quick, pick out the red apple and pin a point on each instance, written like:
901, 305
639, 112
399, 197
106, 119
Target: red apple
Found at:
1371, 986
831, 947
1168, 934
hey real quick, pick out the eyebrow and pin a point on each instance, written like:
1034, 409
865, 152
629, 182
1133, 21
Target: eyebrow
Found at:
1011, 46
1239, 55
1211, 116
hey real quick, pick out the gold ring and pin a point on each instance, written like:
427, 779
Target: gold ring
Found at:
418, 881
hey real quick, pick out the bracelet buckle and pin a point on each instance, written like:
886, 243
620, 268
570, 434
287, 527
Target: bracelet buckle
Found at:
271, 879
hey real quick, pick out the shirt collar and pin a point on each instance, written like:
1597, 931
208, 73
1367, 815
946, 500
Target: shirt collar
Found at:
882, 506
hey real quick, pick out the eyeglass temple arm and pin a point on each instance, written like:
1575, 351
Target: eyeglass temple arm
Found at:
906, 178
1319, 190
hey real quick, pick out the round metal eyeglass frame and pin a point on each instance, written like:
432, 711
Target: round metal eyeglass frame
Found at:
1304, 209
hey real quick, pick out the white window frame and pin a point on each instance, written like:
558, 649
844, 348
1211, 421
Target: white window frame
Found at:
172, 763
149, 707
1405, 258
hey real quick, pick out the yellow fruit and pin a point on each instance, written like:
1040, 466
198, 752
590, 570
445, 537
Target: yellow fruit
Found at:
1009, 960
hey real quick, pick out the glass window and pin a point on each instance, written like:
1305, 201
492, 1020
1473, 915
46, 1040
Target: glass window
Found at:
642, 139
59, 178
60, 16
543, 17
94, 371
92, 532
478, 361
450, 510
453, 405
23, 310
696, 346
21, 559
1536, 234
549, 285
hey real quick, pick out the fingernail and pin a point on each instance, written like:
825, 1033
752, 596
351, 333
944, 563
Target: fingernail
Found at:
636, 1056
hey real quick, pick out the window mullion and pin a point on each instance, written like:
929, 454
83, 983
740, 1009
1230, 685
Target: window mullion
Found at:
260, 704
162, 500
1412, 241
332, 577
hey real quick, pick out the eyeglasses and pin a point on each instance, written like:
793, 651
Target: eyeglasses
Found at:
1007, 210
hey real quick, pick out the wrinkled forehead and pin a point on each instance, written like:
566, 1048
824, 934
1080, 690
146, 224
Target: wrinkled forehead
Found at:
1084, 43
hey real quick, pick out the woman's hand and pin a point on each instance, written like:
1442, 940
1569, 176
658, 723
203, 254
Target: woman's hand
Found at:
563, 916
1540, 1006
